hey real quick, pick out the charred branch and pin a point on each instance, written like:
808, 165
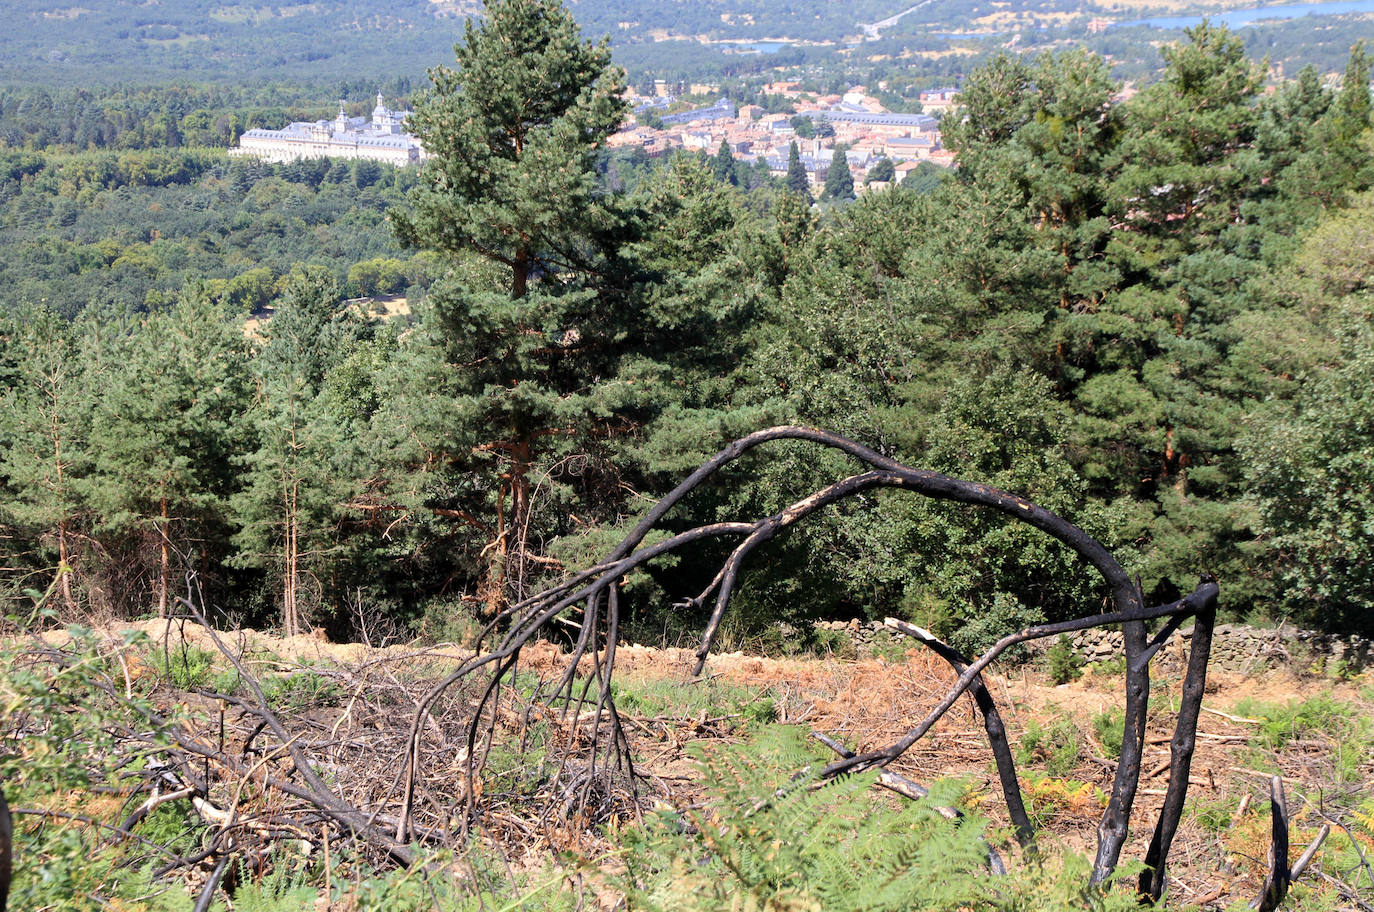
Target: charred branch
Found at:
992, 724
1181, 749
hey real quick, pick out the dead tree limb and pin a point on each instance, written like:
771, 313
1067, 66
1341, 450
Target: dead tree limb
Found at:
992, 724
522, 621
1181, 749
316, 790
1277, 881
1115, 823
1281, 876
1203, 594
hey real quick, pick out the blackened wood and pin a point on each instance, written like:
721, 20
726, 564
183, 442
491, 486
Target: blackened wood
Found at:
1279, 877
992, 724
896, 749
6, 850
1115, 824
207, 893
1181, 748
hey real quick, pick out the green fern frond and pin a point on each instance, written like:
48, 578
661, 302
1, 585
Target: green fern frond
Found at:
774, 837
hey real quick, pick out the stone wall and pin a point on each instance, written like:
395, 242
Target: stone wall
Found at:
1235, 647
1242, 649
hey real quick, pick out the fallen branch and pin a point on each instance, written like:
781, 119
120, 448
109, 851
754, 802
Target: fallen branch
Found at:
992, 724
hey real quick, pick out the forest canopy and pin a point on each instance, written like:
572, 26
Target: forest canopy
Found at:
1151, 316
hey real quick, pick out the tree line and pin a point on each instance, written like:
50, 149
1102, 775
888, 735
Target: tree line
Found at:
1151, 316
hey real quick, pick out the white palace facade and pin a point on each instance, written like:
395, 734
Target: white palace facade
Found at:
381, 139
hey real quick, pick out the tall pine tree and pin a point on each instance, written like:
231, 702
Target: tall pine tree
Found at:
839, 180
165, 427
535, 329
797, 182
294, 481
45, 418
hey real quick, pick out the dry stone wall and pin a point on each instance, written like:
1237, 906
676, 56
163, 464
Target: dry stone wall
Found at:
1235, 647
1243, 649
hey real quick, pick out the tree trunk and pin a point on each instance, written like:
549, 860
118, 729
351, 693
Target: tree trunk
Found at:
290, 575
68, 598
62, 562
506, 561
520, 273
165, 566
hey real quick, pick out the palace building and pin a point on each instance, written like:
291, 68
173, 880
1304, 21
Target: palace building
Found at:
381, 139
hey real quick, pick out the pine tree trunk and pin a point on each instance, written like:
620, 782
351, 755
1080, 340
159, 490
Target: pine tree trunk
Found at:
520, 273
291, 492
506, 562
165, 567
519, 514
290, 614
68, 598
62, 563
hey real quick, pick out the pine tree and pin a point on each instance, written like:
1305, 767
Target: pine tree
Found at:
45, 417
163, 432
723, 165
797, 182
513, 132
293, 483
528, 365
839, 180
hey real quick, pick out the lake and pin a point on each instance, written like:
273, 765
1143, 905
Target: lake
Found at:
1243, 17
758, 47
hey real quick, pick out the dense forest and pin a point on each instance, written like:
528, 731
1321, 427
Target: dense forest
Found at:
1151, 316
341, 43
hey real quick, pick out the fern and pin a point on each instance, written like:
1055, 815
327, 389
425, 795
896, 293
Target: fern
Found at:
774, 840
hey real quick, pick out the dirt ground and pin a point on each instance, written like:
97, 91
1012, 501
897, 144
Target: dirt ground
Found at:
870, 702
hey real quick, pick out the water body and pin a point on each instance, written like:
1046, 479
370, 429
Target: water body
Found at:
1240, 18
764, 47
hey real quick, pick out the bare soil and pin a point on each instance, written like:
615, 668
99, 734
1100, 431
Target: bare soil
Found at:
871, 702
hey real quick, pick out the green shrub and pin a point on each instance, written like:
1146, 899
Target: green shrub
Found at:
1108, 725
301, 690
1323, 717
173, 825
448, 622
1056, 747
677, 700
1065, 663
187, 667
975, 635
839, 643
1213, 815
1299, 719
1114, 667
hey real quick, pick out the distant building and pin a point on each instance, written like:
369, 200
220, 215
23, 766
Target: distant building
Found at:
921, 123
724, 109
939, 100
382, 139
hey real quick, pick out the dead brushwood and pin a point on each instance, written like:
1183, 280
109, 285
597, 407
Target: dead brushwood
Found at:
594, 593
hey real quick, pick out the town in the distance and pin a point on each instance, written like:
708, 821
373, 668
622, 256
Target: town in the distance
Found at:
855, 122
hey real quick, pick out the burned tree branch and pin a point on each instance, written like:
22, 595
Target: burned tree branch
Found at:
1181, 749
992, 724
595, 588
1280, 876
1203, 594
1112, 830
